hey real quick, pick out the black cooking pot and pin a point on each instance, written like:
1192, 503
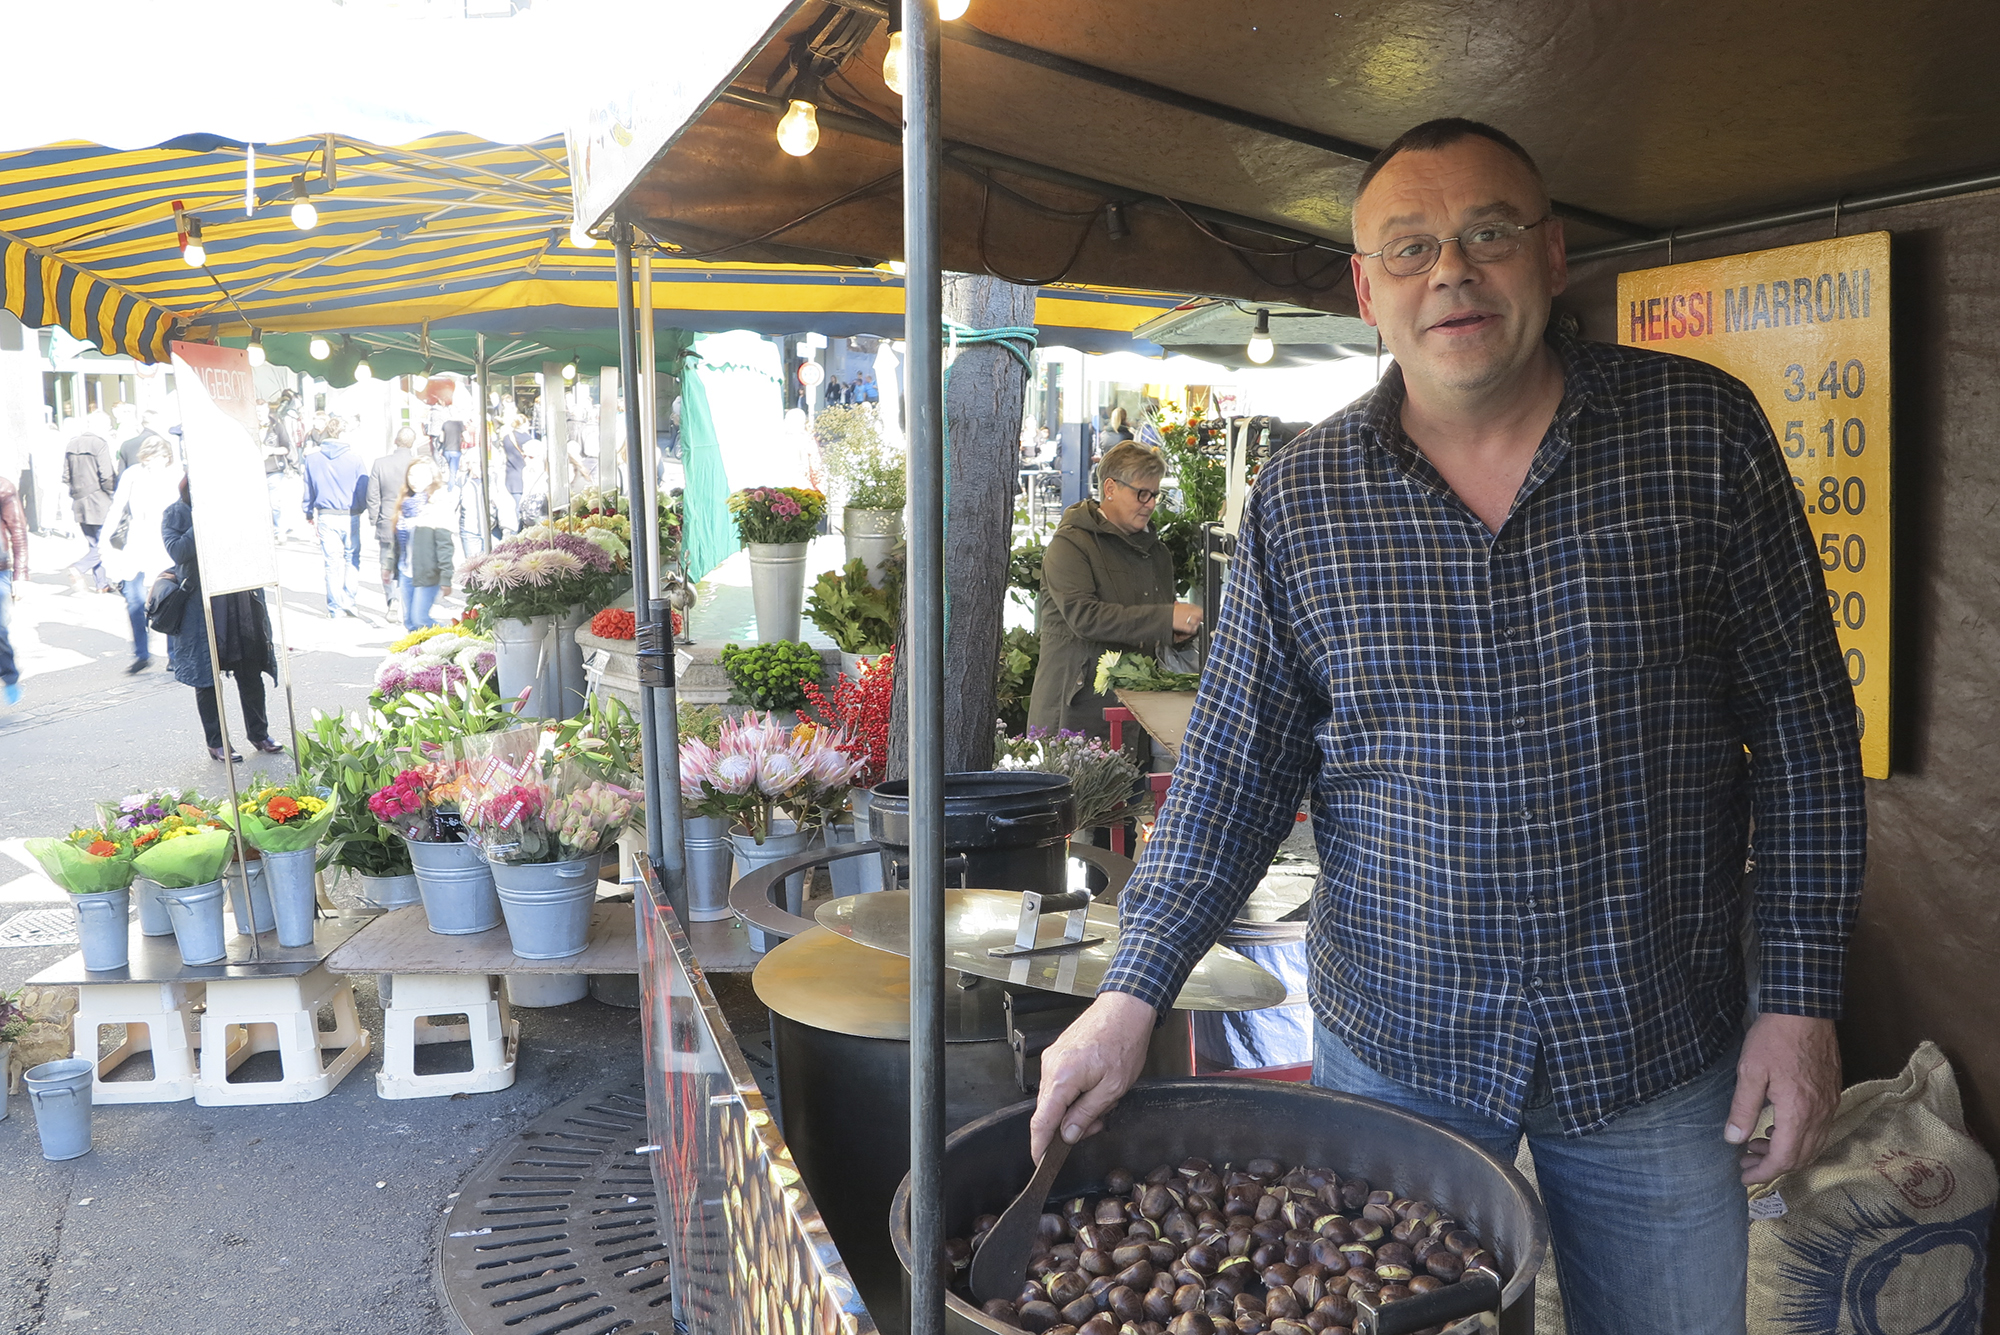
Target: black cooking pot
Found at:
1009, 826
986, 1164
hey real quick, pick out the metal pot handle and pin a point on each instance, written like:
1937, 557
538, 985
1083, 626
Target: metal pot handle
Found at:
1476, 1295
1032, 818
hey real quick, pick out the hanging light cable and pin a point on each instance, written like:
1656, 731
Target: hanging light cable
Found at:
1260, 347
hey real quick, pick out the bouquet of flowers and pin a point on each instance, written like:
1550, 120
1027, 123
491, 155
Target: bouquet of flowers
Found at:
187, 846
541, 571
86, 861
859, 711
1101, 779
776, 514
283, 818
758, 767
524, 809
421, 804
128, 813
437, 659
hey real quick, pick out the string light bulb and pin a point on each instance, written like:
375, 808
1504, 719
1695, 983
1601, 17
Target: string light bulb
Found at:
191, 250
1261, 348
319, 348
255, 350
363, 371
569, 370
953, 9
892, 64
798, 129
304, 216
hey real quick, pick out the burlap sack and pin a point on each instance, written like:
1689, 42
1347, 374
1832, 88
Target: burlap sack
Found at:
1886, 1232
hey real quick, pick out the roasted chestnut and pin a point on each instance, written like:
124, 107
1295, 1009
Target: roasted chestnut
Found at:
1038, 1315
1158, 1306
1354, 1193
1425, 1284
1394, 1253
1080, 1311
1187, 1297
1461, 1241
1000, 1309
1101, 1324
1118, 1181
959, 1252
1139, 1275
1160, 1174
1124, 1303
1282, 1302
1066, 1286
1191, 1323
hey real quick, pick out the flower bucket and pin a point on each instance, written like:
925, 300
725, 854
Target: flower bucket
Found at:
871, 535
852, 876
547, 905
536, 990
60, 1093
104, 928
390, 892
711, 866
520, 661
153, 919
256, 914
778, 588
457, 887
852, 664
197, 915
566, 664
785, 840
288, 879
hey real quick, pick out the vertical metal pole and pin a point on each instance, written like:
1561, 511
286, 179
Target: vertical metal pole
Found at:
643, 400
666, 848
662, 766
555, 410
481, 392
923, 660
242, 867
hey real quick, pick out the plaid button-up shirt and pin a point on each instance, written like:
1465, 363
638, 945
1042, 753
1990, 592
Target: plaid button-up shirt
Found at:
1534, 757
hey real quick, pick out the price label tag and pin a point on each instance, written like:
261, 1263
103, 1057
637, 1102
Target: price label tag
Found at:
1807, 328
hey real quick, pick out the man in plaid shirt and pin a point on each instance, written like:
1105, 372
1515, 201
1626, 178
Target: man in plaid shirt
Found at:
1539, 625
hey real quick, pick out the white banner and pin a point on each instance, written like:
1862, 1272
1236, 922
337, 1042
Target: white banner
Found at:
233, 536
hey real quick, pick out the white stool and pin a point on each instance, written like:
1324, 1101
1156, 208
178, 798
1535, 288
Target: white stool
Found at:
158, 1018
249, 1015
416, 1002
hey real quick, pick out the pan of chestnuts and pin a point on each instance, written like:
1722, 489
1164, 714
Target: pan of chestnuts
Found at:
1246, 1207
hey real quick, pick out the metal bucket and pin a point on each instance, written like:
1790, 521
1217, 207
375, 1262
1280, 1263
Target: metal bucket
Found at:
104, 928
547, 905
520, 652
1223, 1120
785, 840
535, 990
153, 919
390, 892
871, 535
566, 664
288, 879
197, 915
711, 866
255, 915
840, 1029
60, 1093
456, 885
1010, 826
778, 588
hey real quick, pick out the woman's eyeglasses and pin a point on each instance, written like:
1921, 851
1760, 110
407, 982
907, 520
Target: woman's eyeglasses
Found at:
1145, 495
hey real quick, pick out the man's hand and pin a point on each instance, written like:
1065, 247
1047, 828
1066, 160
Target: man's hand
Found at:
1791, 1063
1088, 1069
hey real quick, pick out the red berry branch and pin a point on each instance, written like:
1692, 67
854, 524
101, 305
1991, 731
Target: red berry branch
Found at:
862, 708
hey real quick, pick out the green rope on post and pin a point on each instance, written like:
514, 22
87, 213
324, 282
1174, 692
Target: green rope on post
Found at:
1019, 342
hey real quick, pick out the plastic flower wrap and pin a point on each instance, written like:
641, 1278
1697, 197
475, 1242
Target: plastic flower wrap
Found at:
282, 819
526, 808
188, 846
588, 818
87, 861
422, 804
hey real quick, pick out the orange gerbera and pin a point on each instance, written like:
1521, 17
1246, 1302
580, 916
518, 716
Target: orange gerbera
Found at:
281, 808
144, 838
102, 848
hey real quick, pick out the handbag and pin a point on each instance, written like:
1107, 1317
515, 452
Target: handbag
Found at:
166, 606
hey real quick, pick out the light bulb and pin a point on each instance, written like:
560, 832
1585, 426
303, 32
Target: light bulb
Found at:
363, 371
319, 348
569, 370
194, 254
256, 351
304, 216
798, 129
892, 64
1260, 348
580, 239
953, 9
896, 267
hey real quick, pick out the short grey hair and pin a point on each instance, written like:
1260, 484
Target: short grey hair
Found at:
405, 438
1134, 464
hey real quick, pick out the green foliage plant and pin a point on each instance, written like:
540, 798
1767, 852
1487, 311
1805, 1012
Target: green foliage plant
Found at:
770, 676
869, 470
1024, 568
1199, 491
852, 612
1020, 654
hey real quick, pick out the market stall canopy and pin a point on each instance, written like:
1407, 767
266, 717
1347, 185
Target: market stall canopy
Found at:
1220, 331
1216, 148
451, 232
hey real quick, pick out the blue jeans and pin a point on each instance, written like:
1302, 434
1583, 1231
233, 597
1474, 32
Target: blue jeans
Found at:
417, 600
1658, 1181
340, 548
9, 674
135, 608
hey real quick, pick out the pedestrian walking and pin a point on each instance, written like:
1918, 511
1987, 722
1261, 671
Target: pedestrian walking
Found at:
385, 486
149, 429
145, 491
13, 566
514, 443
89, 475
336, 494
426, 515
244, 646
475, 521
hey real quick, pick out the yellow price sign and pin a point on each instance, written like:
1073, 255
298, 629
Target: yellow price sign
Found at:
1807, 328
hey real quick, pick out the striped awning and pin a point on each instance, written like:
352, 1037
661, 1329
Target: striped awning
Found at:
448, 232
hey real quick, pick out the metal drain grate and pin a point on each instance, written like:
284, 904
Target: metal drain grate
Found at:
39, 927
557, 1234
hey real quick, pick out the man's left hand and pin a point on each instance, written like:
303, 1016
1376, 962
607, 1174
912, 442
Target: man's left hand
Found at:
1792, 1064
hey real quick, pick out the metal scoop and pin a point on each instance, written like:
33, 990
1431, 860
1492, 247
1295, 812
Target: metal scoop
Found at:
1001, 1262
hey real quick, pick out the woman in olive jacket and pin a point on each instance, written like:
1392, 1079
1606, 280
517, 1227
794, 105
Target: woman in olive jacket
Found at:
1107, 583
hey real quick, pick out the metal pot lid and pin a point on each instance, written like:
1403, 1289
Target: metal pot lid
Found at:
976, 920
825, 981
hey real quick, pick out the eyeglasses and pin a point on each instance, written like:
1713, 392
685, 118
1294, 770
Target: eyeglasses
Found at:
1484, 243
1143, 495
